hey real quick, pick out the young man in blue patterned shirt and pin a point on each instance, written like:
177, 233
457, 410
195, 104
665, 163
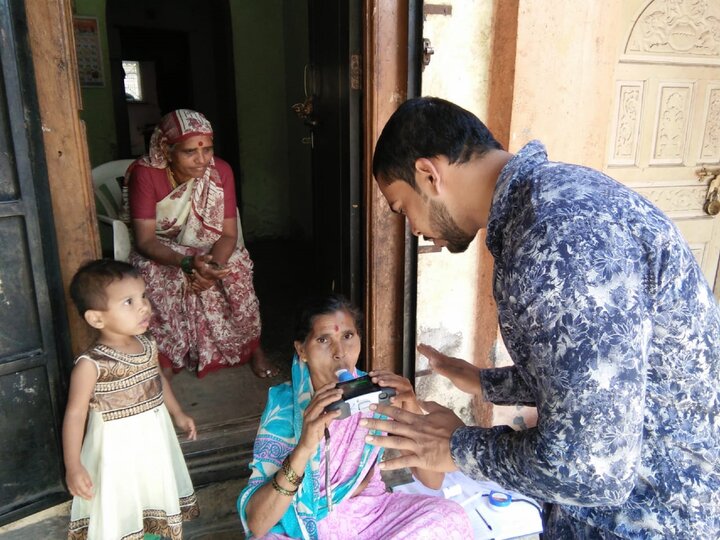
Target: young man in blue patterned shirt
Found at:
613, 330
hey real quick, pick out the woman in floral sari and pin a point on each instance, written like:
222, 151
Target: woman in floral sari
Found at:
287, 494
188, 249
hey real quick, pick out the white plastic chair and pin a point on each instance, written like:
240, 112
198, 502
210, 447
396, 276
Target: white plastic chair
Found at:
114, 234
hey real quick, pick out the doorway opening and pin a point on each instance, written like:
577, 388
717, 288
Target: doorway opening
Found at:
244, 65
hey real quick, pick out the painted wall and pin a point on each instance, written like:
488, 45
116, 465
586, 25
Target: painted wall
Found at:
97, 110
566, 103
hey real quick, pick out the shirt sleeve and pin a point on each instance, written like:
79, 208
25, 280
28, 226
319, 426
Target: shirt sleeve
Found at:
505, 386
572, 300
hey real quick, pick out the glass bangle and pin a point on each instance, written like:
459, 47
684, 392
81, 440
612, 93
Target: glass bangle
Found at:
186, 264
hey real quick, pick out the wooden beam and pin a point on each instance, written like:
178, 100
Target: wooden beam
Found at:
386, 65
68, 165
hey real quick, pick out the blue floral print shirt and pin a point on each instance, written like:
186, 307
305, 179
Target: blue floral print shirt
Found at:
615, 337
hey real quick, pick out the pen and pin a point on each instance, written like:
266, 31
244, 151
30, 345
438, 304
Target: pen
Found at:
484, 520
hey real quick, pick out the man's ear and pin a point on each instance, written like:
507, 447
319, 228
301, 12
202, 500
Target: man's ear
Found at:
427, 176
94, 318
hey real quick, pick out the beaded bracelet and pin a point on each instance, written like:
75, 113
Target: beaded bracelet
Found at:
291, 475
281, 490
186, 264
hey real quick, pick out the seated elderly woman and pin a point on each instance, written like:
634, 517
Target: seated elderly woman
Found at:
187, 247
287, 495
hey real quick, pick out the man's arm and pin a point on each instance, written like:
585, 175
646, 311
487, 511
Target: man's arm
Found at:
505, 386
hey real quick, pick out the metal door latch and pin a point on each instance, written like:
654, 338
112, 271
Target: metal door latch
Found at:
427, 52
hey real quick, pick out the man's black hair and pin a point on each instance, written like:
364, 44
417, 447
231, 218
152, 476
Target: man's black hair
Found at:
89, 284
427, 127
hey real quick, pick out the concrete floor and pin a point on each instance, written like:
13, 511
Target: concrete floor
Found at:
218, 518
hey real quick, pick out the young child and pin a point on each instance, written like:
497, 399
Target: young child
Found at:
129, 478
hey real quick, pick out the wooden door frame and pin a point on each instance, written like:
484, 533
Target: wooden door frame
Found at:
385, 31
50, 31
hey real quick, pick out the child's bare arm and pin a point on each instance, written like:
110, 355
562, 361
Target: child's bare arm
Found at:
182, 420
82, 384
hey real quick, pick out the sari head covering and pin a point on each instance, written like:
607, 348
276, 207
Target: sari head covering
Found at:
279, 433
173, 128
192, 215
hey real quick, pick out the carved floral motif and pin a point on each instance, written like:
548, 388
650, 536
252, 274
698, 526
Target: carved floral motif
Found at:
676, 199
628, 123
710, 152
677, 27
671, 124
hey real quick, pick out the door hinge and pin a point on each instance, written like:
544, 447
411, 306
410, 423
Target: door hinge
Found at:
356, 72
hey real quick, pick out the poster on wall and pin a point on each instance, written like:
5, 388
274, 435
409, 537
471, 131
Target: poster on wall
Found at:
89, 55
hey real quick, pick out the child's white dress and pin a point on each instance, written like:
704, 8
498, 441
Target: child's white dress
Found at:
140, 480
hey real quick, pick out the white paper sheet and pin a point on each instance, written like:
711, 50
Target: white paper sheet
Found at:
518, 519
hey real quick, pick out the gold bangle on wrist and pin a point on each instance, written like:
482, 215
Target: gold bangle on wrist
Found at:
291, 475
281, 490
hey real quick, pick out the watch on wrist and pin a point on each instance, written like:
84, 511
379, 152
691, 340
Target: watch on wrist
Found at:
186, 263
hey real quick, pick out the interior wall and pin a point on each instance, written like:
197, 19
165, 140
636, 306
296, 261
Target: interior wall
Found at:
299, 179
270, 40
97, 110
133, 25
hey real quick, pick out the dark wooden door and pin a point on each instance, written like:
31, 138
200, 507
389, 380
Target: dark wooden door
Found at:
31, 389
335, 83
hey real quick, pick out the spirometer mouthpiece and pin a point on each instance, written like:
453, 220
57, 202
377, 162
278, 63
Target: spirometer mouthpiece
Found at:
344, 375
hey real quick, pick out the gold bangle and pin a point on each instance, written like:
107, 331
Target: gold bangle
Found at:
281, 490
291, 475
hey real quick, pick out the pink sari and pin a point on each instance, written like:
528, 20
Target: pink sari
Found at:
215, 328
376, 513
373, 513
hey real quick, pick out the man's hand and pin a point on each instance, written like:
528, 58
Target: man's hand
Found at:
424, 438
462, 374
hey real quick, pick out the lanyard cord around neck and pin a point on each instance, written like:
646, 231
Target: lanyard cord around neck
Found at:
328, 492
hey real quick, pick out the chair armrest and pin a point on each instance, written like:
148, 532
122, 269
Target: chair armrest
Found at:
105, 219
120, 237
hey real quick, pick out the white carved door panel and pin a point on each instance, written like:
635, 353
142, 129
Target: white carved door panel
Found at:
666, 115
